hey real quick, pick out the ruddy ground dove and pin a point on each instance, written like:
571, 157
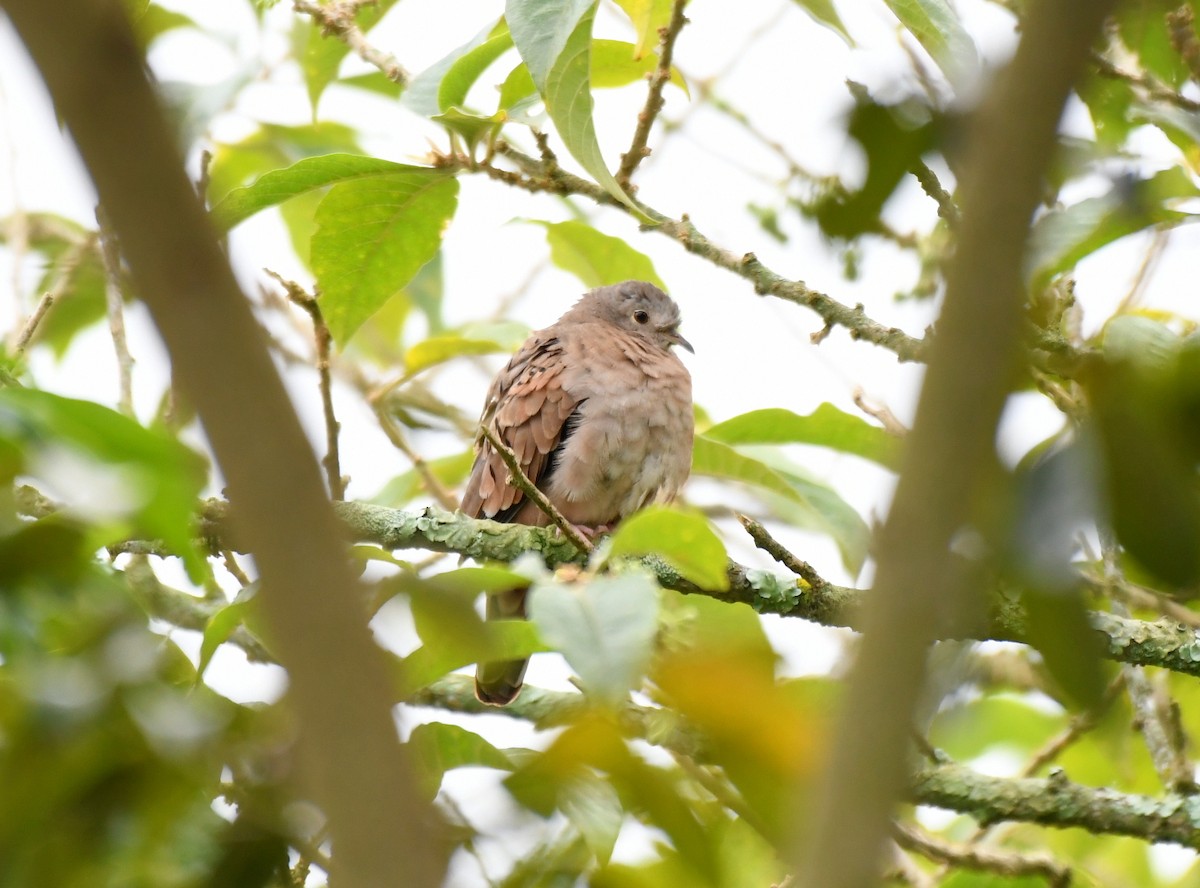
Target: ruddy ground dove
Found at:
597, 409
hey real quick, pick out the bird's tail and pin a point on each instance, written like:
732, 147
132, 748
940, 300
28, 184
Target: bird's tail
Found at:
498, 683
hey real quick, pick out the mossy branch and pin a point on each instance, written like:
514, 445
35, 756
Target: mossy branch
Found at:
1052, 801
1164, 643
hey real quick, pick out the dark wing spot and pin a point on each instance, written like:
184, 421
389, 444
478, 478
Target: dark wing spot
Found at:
543, 481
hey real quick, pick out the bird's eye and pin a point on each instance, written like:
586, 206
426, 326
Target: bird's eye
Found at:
640, 316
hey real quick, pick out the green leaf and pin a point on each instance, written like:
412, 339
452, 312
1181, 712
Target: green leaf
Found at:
1060, 239
439, 349
936, 26
517, 92
424, 90
1179, 125
474, 128
51, 549
499, 640
81, 298
452, 632
1141, 341
605, 628
802, 501
683, 539
269, 149
596, 259
154, 21
221, 625
616, 63
554, 39
321, 54
823, 12
647, 17
894, 137
374, 81
1109, 101
971, 728
373, 235
154, 479
1070, 647
449, 470
437, 748
272, 146
594, 808
305, 175
462, 74
1143, 28
1150, 463
827, 426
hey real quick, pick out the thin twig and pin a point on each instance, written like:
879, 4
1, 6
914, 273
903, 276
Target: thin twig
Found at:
763, 539
520, 480
886, 418
338, 19
1153, 88
1145, 271
947, 209
1079, 725
58, 289
654, 95
720, 789
433, 484
204, 180
535, 179
229, 559
31, 325
903, 869
974, 857
705, 92
324, 341
114, 301
1169, 758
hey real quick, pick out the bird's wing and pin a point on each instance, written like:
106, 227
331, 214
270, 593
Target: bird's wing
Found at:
528, 409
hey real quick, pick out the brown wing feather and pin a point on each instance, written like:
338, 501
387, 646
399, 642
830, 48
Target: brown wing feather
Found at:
527, 408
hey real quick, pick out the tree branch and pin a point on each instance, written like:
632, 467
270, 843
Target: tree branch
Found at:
323, 341
518, 478
1056, 801
654, 100
534, 177
337, 19
95, 72
1011, 140
1052, 801
976, 857
1165, 643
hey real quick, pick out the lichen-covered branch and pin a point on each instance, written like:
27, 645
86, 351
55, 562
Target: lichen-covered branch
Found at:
1056, 801
1052, 801
1164, 643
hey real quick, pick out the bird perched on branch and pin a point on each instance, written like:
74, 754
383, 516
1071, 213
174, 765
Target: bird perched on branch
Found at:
597, 409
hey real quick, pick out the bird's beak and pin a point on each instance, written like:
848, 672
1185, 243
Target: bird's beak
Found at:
676, 339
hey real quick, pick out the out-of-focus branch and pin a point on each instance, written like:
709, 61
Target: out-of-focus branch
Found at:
348, 747
323, 340
975, 857
1053, 801
1011, 141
